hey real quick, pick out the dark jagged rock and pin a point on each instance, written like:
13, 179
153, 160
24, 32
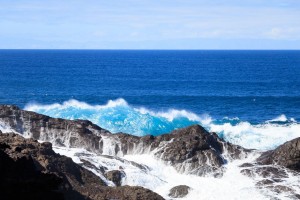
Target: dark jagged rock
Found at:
89, 165
20, 180
265, 172
271, 178
115, 176
190, 150
197, 151
70, 133
179, 191
286, 155
32, 170
273, 167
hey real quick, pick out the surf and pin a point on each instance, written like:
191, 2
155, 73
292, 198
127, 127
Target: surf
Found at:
119, 116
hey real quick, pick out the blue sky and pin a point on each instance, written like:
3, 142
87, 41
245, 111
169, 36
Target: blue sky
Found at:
150, 24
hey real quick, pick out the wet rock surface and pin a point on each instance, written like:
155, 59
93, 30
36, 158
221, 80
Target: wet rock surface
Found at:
272, 169
190, 150
179, 191
115, 176
272, 178
196, 151
286, 155
60, 132
32, 170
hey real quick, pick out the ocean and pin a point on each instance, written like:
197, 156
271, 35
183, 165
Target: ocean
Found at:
250, 98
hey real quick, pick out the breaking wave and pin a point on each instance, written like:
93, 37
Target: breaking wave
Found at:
118, 116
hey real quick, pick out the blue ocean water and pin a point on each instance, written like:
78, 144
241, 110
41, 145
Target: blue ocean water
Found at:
154, 92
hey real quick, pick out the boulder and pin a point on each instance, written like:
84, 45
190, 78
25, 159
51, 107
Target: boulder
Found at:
179, 191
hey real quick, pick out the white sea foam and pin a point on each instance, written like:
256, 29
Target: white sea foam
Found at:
281, 118
75, 104
262, 136
160, 177
4, 128
118, 116
233, 185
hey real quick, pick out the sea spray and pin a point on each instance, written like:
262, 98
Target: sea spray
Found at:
119, 116
159, 177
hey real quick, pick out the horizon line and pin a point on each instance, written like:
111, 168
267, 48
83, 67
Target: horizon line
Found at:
75, 49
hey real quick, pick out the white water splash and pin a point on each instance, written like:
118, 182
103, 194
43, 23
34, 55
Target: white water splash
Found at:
159, 177
118, 116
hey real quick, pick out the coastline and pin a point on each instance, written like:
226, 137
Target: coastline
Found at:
189, 151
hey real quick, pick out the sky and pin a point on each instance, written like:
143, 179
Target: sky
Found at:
150, 24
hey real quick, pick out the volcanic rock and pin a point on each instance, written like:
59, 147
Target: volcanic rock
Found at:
32, 170
273, 168
60, 132
286, 155
179, 191
190, 150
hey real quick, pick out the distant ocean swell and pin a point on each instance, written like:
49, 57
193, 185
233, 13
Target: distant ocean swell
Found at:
118, 116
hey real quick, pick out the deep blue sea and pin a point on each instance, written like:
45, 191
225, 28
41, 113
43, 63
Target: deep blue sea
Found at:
238, 94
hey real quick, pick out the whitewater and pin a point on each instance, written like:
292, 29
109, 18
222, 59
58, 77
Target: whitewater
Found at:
119, 116
147, 171
159, 177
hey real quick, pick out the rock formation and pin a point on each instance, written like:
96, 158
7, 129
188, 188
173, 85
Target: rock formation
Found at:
190, 150
32, 170
275, 166
286, 155
179, 191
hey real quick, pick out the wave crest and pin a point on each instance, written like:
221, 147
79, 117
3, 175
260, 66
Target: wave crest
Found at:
118, 116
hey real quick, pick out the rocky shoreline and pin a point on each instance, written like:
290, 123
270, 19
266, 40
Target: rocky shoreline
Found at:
191, 150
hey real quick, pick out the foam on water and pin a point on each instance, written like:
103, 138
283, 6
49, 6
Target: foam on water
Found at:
233, 185
118, 116
261, 136
4, 128
159, 177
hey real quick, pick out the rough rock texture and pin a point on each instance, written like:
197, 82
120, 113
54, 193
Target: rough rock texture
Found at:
115, 176
196, 151
32, 170
60, 132
286, 155
179, 191
190, 150
273, 168
272, 178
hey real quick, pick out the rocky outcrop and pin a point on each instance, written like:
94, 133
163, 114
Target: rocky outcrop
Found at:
194, 150
60, 132
272, 169
32, 170
179, 191
273, 178
190, 150
286, 155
